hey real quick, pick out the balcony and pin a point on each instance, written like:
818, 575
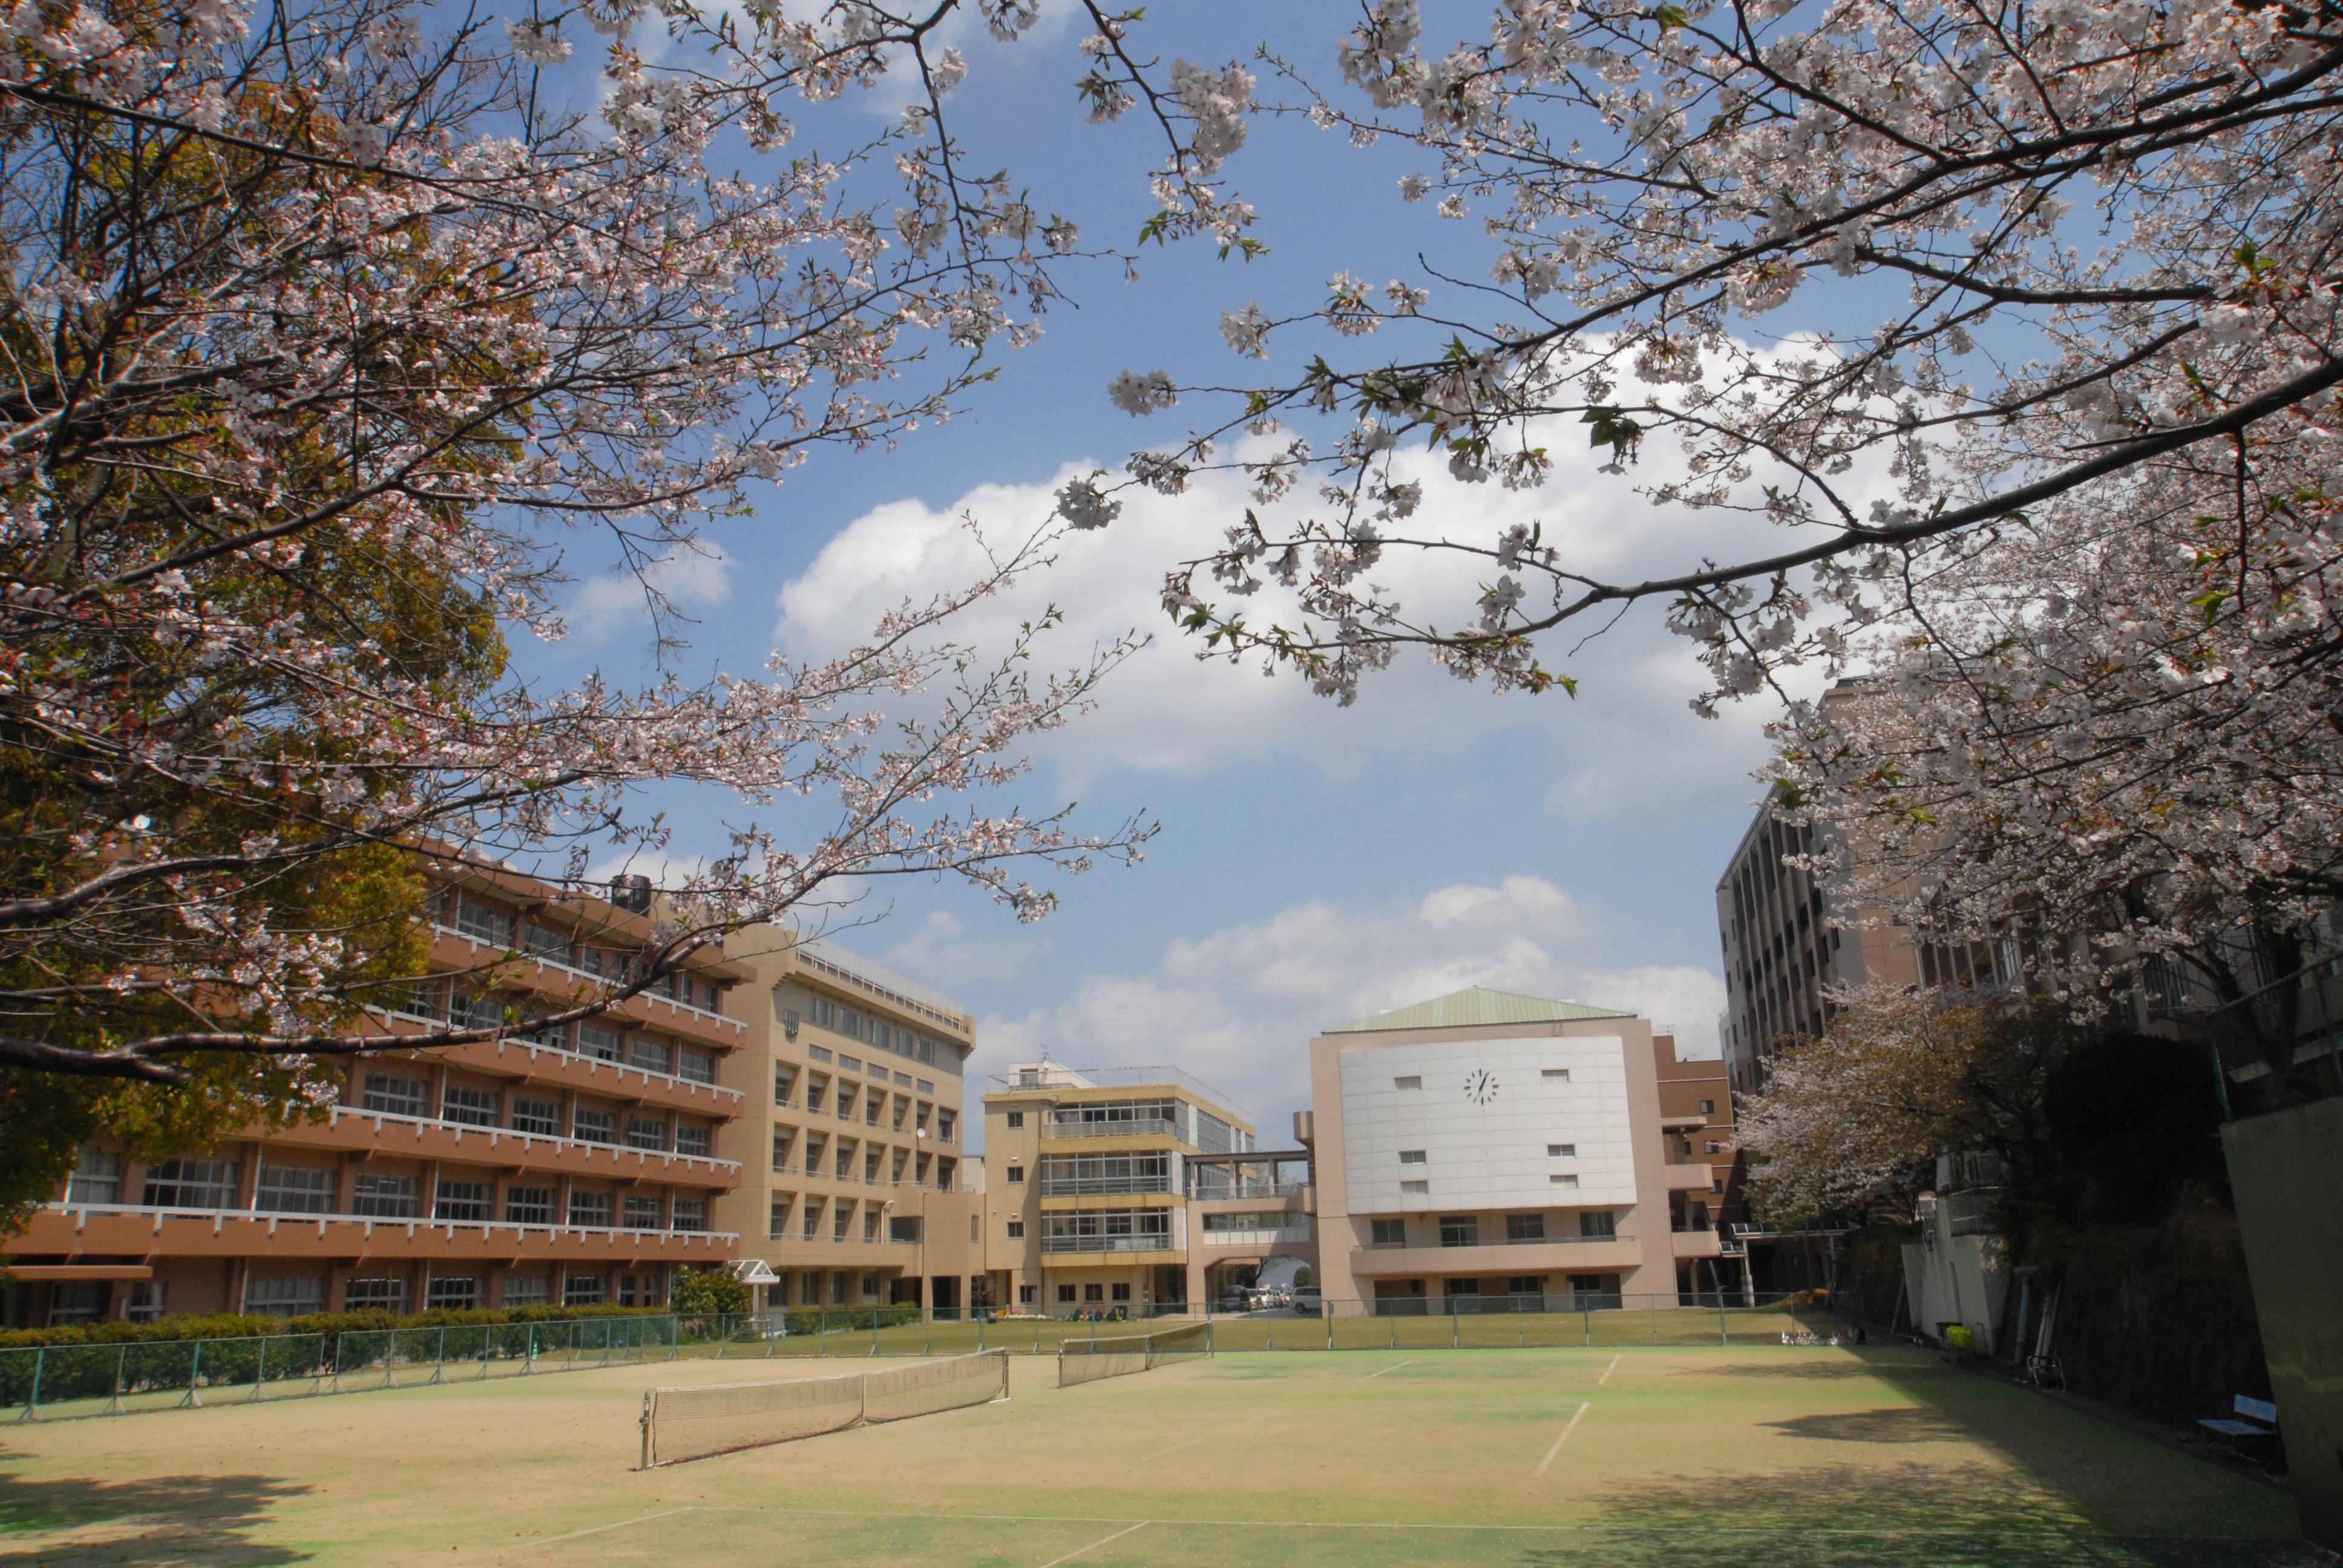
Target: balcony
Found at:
1105, 1186
1571, 1254
557, 977
517, 1057
419, 1137
137, 1231
1059, 1244
1149, 1128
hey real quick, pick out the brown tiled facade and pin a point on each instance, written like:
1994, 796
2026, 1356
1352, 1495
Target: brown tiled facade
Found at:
581, 1167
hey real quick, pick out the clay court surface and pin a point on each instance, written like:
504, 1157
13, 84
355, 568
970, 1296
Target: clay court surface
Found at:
1760, 1456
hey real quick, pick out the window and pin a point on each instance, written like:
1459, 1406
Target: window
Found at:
846, 1092
923, 1086
785, 1081
647, 1132
1411, 1157
1460, 1231
816, 1086
390, 1094
841, 1221
642, 1211
812, 1218
1389, 1233
1016, 1175
483, 924
1108, 1230
385, 1197
870, 1218
695, 1067
1598, 1222
688, 1214
815, 1146
1460, 1287
944, 1169
584, 1291
1413, 1081
777, 1219
1562, 1150
851, 1063
1093, 1293
1524, 1227
293, 1189
1568, 1179
1016, 1229
870, 1164
1525, 1285
602, 1044
1080, 1175
1025, 1294
845, 1158
690, 1140
1414, 1189
145, 1302
594, 1126
817, 1052
191, 1184
873, 1104
73, 1302
902, 1109
1015, 1120
945, 1123
542, 1117
528, 1205
975, 1231
376, 1294
547, 942
1066, 1293
1708, 1108
784, 1140
590, 1210
96, 1179
527, 1291
1558, 1074
1118, 1293
284, 1297
463, 1203
471, 1107
649, 1054
1711, 1147
456, 1294
1717, 1187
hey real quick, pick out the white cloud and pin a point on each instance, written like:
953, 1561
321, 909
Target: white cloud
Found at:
691, 576
1237, 1008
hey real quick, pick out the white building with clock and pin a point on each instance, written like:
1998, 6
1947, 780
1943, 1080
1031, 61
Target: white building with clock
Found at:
1489, 1152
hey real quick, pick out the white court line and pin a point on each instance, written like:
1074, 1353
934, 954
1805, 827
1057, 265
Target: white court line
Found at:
620, 1524
1607, 1372
1409, 1362
1093, 1547
1559, 1442
1206, 1437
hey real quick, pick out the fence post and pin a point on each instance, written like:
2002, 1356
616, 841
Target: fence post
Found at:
259, 1373
440, 1356
195, 1379
1327, 1308
33, 1400
1588, 1315
121, 1365
1455, 1327
1722, 1338
1207, 1334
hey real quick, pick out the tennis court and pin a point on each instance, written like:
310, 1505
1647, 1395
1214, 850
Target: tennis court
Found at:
1627, 1456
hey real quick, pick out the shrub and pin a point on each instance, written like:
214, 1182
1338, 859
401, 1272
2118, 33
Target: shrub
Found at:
710, 1292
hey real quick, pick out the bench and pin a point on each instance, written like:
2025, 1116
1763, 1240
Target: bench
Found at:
2260, 1421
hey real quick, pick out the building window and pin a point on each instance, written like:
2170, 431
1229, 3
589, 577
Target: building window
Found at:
380, 1293
1708, 1108
1093, 1293
542, 1117
816, 1086
528, 1205
1414, 1189
584, 1291
1717, 1186
945, 1123
1711, 1147
463, 1203
695, 1067
1389, 1233
1412, 1157
589, 1211
458, 1294
1016, 1229
846, 1093
1118, 1293
841, 1221
391, 1094
1556, 1074
975, 1233
1413, 1080
97, 1178
870, 1216
812, 1218
1460, 1287
594, 1126
777, 1220
1525, 1285
527, 1291
1524, 1227
647, 1132
1600, 1222
642, 1211
1017, 1175
690, 1140
820, 1053
1025, 1294
284, 1298
484, 925
1015, 1120
76, 1302
785, 1080
599, 1044
145, 1302
385, 1197
471, 1107
651, 1055
1562, 1150
293, 1189
1564, 1179
1460, 1231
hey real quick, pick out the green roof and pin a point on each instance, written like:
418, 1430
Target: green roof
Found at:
1474, 1009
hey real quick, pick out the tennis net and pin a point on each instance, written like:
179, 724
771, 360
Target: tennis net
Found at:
680, 1423
1087, 1361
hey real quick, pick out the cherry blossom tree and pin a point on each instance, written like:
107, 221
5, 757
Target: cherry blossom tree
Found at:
329, 329
2090, 235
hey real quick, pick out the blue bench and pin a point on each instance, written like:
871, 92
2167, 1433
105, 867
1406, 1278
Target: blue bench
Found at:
2260, 1420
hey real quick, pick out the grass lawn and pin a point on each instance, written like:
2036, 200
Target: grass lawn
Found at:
1754, 1455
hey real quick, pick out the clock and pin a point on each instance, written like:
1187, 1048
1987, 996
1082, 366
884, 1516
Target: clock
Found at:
1481, 1086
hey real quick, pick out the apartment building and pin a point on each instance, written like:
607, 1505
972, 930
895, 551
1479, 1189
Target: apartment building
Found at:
579, 1166
856, 1190
1490, 1151
1138, 1189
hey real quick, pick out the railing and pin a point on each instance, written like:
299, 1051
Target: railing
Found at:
1255, 1238
881, 982
1081, 1077
2282, 1045
1197, 1187
1148, 1127
496, 1135
1103, 1186
1446, 1242
565, 967
533, 1046
413, 1223
1156, 1243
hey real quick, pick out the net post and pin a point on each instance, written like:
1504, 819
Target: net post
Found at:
648, 1397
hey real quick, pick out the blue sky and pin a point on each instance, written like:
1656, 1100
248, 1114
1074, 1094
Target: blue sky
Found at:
1315, 864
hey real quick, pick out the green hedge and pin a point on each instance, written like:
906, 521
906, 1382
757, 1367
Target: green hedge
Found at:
232, 1326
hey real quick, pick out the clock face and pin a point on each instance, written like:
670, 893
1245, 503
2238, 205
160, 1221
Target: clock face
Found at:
1481, 1086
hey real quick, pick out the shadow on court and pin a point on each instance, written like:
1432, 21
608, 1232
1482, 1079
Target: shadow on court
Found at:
168, 1521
